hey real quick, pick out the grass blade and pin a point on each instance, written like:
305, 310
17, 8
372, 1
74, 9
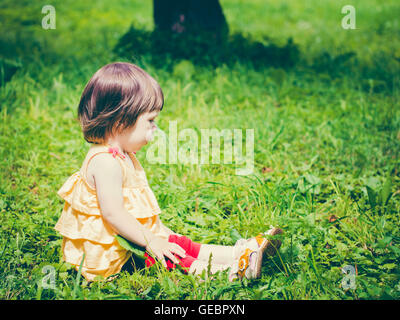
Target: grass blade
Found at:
78, 278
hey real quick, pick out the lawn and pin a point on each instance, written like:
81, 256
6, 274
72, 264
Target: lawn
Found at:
324, 107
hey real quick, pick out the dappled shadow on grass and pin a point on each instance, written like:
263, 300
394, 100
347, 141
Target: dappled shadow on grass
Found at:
379, 72
204, 49
164, 49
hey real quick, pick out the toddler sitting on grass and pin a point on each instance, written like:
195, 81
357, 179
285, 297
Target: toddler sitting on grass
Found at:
110, 194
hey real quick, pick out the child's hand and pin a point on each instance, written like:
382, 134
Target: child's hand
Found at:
161, 247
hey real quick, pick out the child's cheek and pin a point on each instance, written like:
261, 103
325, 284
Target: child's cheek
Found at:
150, 135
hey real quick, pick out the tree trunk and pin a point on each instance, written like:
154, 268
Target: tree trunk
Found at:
190, 16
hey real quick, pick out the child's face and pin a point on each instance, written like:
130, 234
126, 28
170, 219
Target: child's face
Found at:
133, 139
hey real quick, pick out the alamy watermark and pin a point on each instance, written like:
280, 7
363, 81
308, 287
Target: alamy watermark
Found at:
49, 20
349, 280
49, 280
349, 20
203, 147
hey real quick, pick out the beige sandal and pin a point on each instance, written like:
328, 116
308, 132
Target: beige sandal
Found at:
250, 262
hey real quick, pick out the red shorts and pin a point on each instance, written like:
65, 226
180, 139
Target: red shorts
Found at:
192, 252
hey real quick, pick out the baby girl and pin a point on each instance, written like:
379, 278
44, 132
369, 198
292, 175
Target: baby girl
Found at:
110, 194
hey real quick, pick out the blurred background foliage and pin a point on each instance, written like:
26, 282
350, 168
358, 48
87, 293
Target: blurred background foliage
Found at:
280, 34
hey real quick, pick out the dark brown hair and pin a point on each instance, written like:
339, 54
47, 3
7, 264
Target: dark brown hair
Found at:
113, 99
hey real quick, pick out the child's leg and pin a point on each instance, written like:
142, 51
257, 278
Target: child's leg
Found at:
244, 259
198, 266
197, 257
191, 248
195, 266
220, 254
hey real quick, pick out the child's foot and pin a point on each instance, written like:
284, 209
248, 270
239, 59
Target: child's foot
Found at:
262, 242
250, 261
272, 245
249, 265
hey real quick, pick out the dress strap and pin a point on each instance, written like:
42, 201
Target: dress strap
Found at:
103, 149
135, 161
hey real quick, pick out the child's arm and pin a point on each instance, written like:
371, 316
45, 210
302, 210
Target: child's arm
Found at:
108, 180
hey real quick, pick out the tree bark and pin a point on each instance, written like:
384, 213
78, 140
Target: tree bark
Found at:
190, 16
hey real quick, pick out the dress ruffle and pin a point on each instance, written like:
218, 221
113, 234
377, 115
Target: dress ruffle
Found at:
89, 234
100, 260
85, 231
79, 196
74, 224
97, 255
138, 200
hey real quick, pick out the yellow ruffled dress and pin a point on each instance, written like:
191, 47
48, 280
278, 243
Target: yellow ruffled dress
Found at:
85, 231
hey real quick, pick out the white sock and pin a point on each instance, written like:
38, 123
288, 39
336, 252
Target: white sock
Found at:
220, 254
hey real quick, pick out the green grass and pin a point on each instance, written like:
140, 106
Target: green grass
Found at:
327, 126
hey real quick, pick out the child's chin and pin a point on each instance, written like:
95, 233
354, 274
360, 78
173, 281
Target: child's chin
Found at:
149, 139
